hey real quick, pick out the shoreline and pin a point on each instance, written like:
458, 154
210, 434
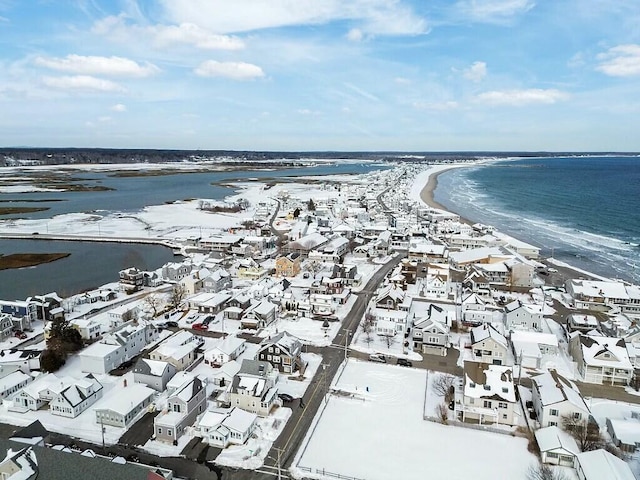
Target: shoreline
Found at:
565, 270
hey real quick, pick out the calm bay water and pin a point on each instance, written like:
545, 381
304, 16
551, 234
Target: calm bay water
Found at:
585, 209
93, 264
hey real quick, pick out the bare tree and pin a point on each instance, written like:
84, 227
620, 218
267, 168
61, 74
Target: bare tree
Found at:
585, 432
542, 471
368, 324
443, 413
443, 385
153, 302
390, 338
176, 295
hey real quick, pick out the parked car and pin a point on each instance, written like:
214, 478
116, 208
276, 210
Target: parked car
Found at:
171, 324
377, 357
404, 362
285, 397
20, 334
199, 326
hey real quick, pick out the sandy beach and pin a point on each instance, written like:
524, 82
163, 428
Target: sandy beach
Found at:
427, 193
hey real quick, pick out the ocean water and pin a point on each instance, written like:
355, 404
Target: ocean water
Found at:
584, 211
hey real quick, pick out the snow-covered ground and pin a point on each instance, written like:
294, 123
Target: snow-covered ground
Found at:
379, 433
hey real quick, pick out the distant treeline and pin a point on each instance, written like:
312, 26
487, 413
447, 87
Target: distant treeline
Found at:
65, 156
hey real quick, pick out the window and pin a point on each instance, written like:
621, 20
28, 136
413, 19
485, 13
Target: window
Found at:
159, 431
487, 404
168, 431
553, 412
176, 407
576, 416
503, 405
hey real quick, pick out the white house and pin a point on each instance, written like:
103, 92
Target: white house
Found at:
489, 394
13, 382
76, 398
179, 349
529, 348
154, 374
488, 345
602, 360
40, 392
222, 427
600, 465
523, 316
116, 348
228, 349
555, 397
183, 406
122, 406
556, 446
253, 388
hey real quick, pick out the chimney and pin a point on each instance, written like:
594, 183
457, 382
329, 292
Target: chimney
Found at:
124, 383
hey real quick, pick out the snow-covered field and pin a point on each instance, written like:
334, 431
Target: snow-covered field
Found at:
379, 433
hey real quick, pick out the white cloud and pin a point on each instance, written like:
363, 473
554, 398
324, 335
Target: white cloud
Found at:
436, 106
494, 11
84, 83
91, 65
233, 70
187, 33
476, 72
308, 112
119, 107
620, 61
518, 98
355, 35
376, 17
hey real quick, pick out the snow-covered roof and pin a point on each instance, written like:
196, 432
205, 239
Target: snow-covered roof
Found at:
553, 388
483, 380
122, 400
594, 288
604, 351
155, 367
538, 338
285, 340
600, 464
484, 331
552, 438
626, 430
474, 254
229, 345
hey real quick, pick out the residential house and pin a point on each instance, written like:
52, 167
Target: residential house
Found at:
477, 283
211, 303
76, 398
230, 348
600, 464
475, 310
179, 349
183, 406
154, 374
237, 306
253, 388
48, 306
582, 323
333, 251
390, 298
523, 316
431, 332
13, 382
259, 315
283, 352
556, 446
555, 397
223, 427
124, 405
304, 245
25, 360
348, 274
20, 465
288, 265
602, 360
220, 243
39, 392
131, 280
89, 329
625, 432
216, 281
249, 269
174, 272
115, 348
6, 326
529, 348
488, 345
426, 252
599, 295
23, 313
489, 394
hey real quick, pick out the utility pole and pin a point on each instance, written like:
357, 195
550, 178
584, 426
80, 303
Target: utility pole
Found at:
346, 343
102, 431
279, 464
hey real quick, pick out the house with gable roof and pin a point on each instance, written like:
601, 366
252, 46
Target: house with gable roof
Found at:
602, 360
122, 407
259, 315
431, 332
253, 388
223, 427
488, 345
19, 465
554, 397
76, 398
556, 446
179, 349
600, 464
475, 311
489, 394
283, 352
153, 373
230, 348
523, 316
390, 298
288, 265
183, 406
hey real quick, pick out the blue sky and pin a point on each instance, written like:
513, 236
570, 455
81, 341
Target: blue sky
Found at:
404, 75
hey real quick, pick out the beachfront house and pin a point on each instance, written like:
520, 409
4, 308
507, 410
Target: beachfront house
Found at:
554, 397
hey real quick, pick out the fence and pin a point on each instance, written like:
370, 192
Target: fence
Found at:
326, 473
